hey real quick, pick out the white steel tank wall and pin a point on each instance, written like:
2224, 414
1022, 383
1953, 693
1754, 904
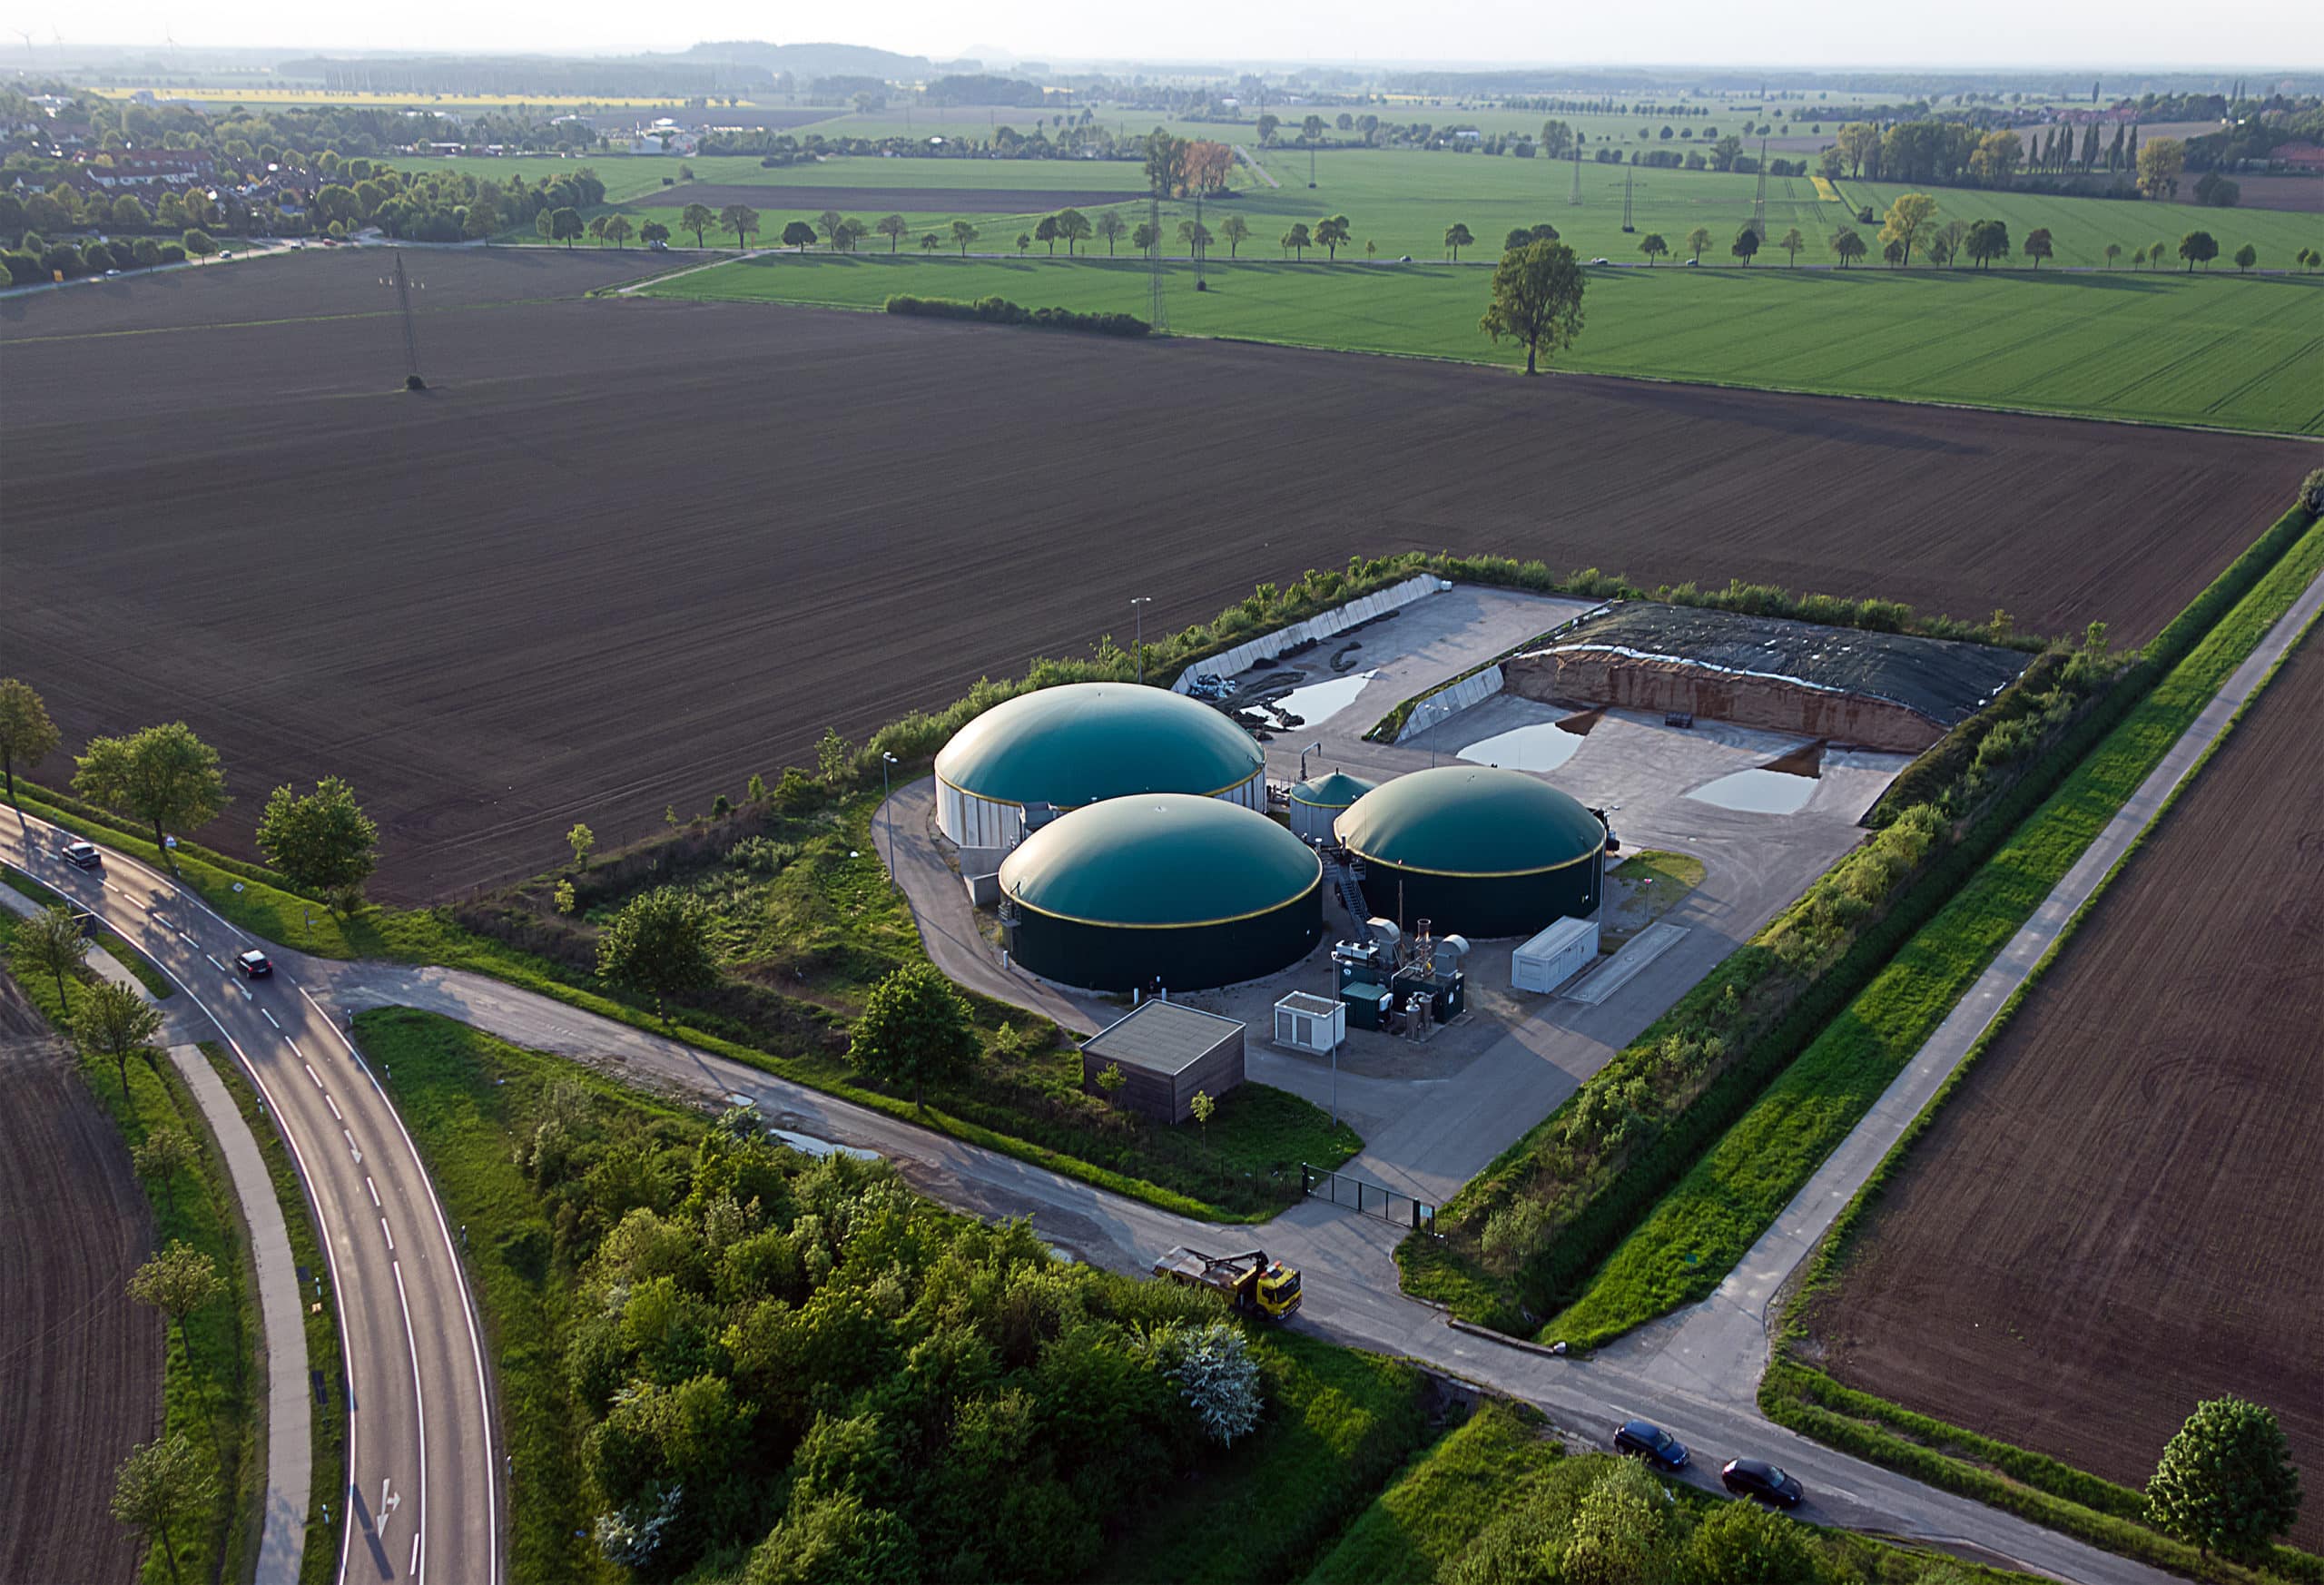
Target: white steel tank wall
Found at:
971, 821
1312, 821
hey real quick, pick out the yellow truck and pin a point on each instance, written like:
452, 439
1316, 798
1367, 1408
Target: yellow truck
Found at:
1250, 1281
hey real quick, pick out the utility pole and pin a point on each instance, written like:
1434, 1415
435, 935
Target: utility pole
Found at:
412, 380
1138, 616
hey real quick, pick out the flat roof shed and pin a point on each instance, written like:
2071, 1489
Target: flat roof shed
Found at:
1166, 1052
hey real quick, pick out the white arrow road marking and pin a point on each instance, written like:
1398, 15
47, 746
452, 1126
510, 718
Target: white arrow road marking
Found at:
351, 1146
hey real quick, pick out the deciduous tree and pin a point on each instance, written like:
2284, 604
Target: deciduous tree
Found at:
1536, 300
891, 226
2197, 247
1745, 243
658, 945
581, 840
565, 226
1909, 220
963, 233
2037, 245
2246, 256
161, 1486
1332, 233
618, 227
798, 234
2113, 251
1697, 241
915, 1029
164, 775
1073, 227
2161, 160
116, 1021
2226, 1482
1791, 241
50, 942
1987, 241
1847, 244
827, 224
1113, 228
177, 1282
1045, 231
653, 233
1236, 230
1653, 247
741, 221
323, 842
1457, 237
696, 218
27, 735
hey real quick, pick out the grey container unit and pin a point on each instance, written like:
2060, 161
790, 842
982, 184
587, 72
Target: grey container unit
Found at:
1166, 1052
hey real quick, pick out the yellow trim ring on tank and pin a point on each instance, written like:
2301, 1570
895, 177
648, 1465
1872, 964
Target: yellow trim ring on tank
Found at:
1597, 852
1310, 802
1190, 924
1143, 792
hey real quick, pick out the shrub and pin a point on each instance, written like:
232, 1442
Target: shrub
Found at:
998, 311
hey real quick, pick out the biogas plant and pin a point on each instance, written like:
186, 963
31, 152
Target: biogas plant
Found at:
1138, 851
1400, 821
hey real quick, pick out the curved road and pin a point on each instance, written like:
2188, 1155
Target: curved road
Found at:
424, 1475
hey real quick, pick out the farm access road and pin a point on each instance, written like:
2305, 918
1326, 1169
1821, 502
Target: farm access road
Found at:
424, 1482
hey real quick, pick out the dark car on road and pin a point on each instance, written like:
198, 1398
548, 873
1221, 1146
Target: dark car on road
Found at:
83, 855
1758, 1478
254, 965
1646, 1440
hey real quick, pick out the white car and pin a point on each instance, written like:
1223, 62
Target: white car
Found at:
1601, 261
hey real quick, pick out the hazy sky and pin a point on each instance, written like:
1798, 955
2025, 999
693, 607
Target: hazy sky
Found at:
2263, 35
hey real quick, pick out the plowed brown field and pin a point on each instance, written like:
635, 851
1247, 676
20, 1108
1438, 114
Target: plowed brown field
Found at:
2122, 1210
626, 553
79, 1365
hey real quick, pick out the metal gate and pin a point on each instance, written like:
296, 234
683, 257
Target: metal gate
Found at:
1366, 1199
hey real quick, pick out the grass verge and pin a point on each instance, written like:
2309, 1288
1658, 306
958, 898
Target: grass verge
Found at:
318, 1563
1704, 1226
213, 1395
1341, 1423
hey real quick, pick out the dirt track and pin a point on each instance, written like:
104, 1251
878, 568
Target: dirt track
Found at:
79, 1365
869, 202
625, 553
2116, 1214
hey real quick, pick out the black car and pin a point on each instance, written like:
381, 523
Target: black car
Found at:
85, 855
1758, 1478
254, 965
1650, 1441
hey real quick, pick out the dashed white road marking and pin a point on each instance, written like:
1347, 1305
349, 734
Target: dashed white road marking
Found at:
375, 1193
311, 1073
335, 1113
213, 962
268, 1017
389, 1235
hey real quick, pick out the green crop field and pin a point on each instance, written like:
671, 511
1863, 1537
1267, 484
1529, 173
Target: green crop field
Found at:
2238, 353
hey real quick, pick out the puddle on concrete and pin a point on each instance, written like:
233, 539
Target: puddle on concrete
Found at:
1760, 792
1543, 747
1316, 702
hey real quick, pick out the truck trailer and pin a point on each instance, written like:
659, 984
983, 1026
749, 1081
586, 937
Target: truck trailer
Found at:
1252, 1282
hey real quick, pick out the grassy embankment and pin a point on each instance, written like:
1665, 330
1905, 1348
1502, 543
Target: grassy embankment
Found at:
1503, 1465
156, 983
318, 1563
1798, 1395
1704, 1226
1342, 1421
2162, 349
213, 1397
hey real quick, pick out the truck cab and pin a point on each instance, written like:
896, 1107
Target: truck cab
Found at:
1252, 1282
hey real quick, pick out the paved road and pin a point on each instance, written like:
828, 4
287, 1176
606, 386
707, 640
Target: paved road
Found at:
423, 1448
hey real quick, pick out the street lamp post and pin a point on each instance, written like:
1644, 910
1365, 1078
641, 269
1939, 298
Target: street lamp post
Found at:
1138, 616
887, 759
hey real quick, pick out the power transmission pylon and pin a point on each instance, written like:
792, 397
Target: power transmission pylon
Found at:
412, 380
1157, 314
1576, 197
1629, 179
1760, 199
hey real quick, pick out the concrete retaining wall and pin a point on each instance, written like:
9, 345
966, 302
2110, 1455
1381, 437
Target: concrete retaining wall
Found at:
1439, 708
1338, 620
1600, 677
